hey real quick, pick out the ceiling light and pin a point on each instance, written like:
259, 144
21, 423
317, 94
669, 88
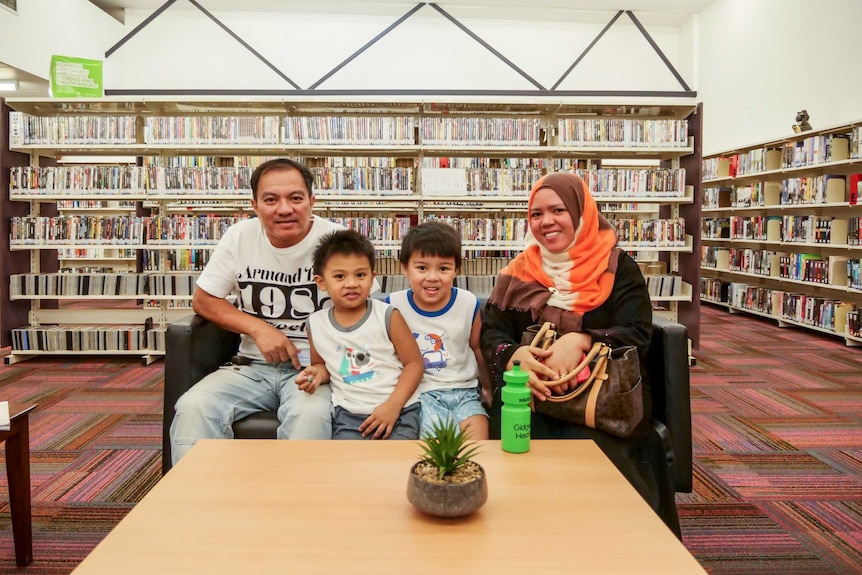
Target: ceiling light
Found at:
8, 85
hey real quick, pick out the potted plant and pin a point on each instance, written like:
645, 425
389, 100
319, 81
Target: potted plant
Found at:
446, 482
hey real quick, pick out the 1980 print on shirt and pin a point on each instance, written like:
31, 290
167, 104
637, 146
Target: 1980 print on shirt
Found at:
283, 299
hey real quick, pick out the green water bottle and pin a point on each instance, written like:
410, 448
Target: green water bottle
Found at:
515, 413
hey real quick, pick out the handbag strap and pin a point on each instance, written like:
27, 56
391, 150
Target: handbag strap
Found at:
597, 375
599, 349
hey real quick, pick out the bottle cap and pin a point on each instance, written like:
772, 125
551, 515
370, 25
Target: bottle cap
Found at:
515, 375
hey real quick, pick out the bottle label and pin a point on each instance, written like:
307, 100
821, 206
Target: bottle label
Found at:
521, 430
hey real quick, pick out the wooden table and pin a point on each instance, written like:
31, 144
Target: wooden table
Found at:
265, 506
18, 474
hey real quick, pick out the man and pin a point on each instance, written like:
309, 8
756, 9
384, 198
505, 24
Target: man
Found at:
266, 261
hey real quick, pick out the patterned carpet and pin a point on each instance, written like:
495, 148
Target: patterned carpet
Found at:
777, 430
777, 436
95, 450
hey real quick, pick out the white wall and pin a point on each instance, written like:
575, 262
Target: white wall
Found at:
45, 27
762, 61
183, 49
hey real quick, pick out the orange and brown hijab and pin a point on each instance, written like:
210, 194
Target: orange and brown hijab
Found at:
561, 287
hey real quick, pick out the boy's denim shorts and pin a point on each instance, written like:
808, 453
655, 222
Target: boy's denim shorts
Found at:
440, 405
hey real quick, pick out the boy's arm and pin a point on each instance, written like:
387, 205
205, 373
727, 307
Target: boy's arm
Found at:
315, 374
382, 420
486, 391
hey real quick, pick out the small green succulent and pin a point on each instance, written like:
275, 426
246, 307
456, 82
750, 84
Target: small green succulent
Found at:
446, 447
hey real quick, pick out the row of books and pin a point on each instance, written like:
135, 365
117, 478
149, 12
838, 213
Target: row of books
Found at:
479, 285
854, 325
815, 311
663, 285
654, 182
755, 227
196, 229
750, 261
102, 284
349, 130
623, 132
26, 129
479, 181
97, 253
808, 191
806, 267
854, 231
713, 289
496, 163
823, 313
715, 228
854, 274
794, 229
364, 179
85, 338
96, 205
240, 130
806, 229
117, 178
175, 260
815, 268
479, 230
214, 180
713, 257
650, 232
481, 131
811, 151
78, 284
66, 269
119, 230
470, 266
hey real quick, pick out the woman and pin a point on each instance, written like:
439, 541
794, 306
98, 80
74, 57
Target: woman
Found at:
572, 274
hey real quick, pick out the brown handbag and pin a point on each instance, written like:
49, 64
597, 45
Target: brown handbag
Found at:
610, 399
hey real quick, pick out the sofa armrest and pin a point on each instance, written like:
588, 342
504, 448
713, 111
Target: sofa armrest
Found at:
669, 379
194, 348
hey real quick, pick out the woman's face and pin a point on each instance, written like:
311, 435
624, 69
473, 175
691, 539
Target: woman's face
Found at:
550, 221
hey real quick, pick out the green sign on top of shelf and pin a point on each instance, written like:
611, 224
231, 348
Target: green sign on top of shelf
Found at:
76, 77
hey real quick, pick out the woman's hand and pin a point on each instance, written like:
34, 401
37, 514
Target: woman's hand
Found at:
531, 359
567, 353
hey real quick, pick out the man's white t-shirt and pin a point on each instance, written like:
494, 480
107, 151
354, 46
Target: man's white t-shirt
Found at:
274, 284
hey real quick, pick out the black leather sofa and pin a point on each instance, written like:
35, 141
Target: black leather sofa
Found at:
195, 347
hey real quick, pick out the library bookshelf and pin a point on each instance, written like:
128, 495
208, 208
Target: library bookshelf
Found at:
781, 230
380, 167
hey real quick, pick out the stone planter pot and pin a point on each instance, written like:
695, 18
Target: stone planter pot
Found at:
447, 499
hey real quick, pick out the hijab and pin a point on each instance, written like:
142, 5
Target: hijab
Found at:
561, 287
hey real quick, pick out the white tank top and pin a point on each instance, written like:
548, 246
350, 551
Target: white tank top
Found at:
361, 359
443, 337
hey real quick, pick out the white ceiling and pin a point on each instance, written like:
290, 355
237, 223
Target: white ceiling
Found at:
675, 11
667, 12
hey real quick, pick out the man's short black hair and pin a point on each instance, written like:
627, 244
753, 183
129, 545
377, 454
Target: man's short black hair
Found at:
344, 242
282, 164
431, 239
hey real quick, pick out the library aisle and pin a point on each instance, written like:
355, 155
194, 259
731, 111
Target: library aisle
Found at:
777, 438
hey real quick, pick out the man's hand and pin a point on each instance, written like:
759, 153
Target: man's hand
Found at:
274, 345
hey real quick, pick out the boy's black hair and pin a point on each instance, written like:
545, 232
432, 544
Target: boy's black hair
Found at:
431, 239
345, 242
281, 164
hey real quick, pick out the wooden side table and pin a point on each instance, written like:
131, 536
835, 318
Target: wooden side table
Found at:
18, 473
